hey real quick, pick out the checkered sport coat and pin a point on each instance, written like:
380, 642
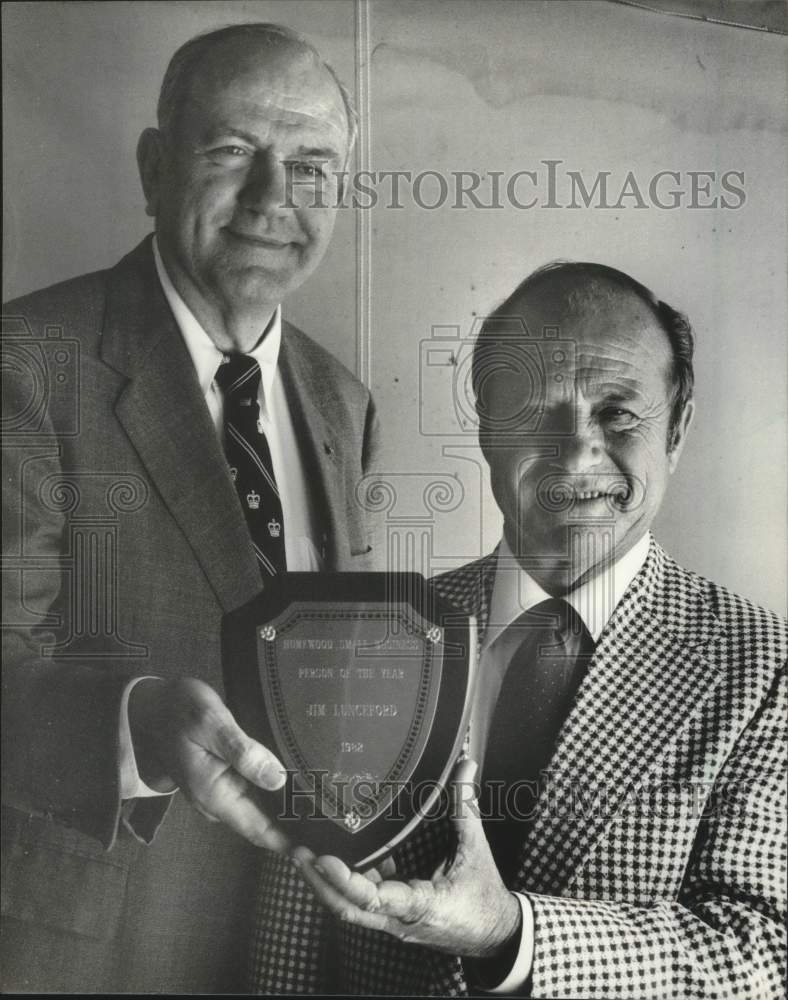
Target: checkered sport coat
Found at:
656, 866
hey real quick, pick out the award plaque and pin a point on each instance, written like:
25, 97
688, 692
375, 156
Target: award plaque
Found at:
360, 683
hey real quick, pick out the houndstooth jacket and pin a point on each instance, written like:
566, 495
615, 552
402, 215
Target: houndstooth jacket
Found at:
656, 865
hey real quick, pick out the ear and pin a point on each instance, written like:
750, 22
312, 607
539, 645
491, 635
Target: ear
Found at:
150, 161
680, 435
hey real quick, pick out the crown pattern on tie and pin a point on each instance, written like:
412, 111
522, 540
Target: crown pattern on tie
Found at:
249, 459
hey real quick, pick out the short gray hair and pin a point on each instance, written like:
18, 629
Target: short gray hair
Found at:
186, 60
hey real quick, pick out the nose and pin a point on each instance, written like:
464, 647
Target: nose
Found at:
264, 188
584, 448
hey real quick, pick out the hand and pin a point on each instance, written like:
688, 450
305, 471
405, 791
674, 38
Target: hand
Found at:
184, 735
465, 910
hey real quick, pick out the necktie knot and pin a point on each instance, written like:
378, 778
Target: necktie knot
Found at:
556, 616
239, 376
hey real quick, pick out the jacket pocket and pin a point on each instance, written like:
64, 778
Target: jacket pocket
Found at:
57, 877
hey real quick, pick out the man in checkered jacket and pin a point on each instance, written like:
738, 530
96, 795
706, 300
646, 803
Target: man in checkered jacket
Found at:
653, 865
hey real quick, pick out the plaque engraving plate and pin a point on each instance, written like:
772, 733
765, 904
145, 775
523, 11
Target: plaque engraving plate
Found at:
360, 683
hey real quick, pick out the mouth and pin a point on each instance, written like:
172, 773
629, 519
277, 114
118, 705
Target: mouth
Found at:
265, 242
559, 495
612, 499
583, 496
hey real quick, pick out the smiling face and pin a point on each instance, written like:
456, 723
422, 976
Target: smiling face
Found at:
595, 461
235, 233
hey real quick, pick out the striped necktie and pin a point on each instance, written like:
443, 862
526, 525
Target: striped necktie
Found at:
249, 458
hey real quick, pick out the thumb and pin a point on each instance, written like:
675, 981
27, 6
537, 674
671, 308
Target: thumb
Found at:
249, 758
464, 793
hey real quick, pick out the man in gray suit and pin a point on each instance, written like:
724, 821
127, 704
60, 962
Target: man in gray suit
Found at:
126, 539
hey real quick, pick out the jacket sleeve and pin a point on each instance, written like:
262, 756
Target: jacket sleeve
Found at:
60, 715
724, 937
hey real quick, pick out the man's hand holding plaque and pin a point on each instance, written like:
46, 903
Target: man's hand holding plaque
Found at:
464, 909
185, 737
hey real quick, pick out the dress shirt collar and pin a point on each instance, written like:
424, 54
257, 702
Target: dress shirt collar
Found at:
515, 591
205, 355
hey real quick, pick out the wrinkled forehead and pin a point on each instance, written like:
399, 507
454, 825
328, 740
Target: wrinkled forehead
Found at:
608, 332
278, 81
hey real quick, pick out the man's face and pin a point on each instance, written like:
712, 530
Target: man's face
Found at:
592, 467
253, 115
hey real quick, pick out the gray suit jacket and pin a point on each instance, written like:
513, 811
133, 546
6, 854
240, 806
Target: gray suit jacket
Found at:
124, 543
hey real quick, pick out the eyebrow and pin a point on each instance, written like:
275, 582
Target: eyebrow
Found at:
609, 384
313, 152
319, 152
226, 130
619, 395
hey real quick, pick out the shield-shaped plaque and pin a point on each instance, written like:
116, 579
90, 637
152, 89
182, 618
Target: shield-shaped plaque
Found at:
361, 684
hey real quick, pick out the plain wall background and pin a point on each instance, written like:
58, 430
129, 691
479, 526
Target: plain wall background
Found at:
456, 85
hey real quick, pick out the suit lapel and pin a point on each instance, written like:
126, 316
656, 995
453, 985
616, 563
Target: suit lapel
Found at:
165, 416
321, 446
469, 589
647, 677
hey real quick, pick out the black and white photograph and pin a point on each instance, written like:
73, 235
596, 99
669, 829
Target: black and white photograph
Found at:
394, 498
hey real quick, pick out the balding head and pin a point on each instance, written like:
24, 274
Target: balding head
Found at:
571, 288
206, 60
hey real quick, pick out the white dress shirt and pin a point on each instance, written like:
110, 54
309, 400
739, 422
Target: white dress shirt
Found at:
301, 545
515, 591
301, 550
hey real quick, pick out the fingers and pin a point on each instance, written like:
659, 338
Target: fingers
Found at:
464, 774
213, 760
334, 898
248, 821
464, 804
355, 886
233, 806
204, 720
388, 867
406, 902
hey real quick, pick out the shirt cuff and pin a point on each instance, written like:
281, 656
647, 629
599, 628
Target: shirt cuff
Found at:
521, 969
131, 784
